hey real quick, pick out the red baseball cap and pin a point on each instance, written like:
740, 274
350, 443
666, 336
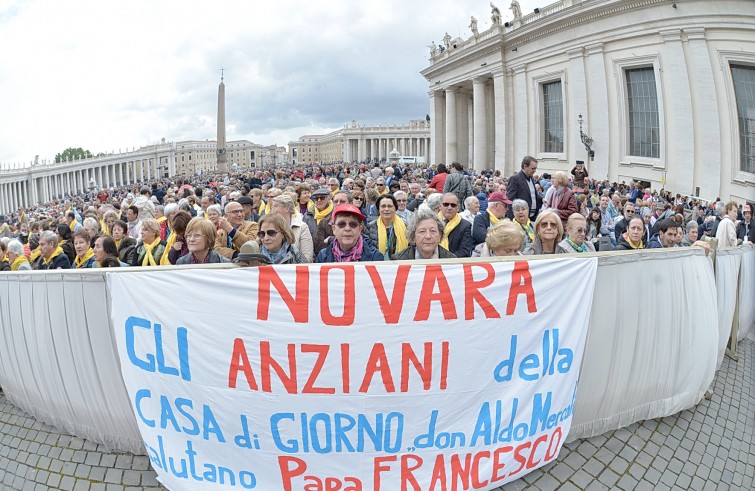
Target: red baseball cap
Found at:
347, 208
498, 197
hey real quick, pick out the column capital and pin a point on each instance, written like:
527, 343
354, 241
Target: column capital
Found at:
519, 69
480, 80
575, 52
451, 90
671, 35
695, 33
593, 49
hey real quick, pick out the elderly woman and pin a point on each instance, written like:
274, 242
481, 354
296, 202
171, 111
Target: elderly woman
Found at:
277, 241
200, 239
574, 242
425, 235
632, 238
214, 212
471, 209
690, 237
504, 239
521, 217
562, 200
349, 245
84, 253
387, 232
109, 219
179, 247
548, 233
16, 258
284, 206
126, 245
151, 249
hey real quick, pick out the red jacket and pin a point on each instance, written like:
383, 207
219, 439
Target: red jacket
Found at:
565, 205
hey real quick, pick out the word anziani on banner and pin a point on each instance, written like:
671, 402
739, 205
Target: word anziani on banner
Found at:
353, 377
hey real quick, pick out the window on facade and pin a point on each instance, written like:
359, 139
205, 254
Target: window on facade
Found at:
553, 118
744, 92
644, 128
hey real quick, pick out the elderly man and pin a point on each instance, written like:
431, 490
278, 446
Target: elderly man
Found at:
458, 233
92, 227
622, 221
334, 185
498, 206
70, 219
233, 231
745, 229
416, 197
323, 206
607, 224
324, 234
348, 244
51, 255
471, 209
522, 186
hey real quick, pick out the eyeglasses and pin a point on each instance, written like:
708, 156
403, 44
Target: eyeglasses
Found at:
235, 211
269, 233
194, 236
452, 205
380, 185
351, 224
548, 225
318, 198
580, 230
401, 201
358, 198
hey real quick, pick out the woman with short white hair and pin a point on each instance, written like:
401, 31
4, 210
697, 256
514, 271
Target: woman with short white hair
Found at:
16, 258
574, 242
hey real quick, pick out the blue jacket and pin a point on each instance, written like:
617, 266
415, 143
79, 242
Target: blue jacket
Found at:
654, 243
483, 199
369, 253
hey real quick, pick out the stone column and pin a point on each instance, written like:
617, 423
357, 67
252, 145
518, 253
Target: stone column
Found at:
602, 166
480, 124
451, 137
437, 152
520, 119
577, 97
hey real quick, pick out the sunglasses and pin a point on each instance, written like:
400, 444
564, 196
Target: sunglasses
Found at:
548, 225
380, 185
269, 233
452, 205
318, 198
350, 224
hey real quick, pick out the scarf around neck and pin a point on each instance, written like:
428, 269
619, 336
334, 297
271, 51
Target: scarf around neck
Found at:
399, 236
79, 262
275, 257
528, 229
578, 248
58, 251
319, 215
18, 262
450, 226
632, 244
354, 255
493, 219
149, 259
164, 261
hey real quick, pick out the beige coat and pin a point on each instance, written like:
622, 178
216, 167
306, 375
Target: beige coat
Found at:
303, 238
247, 231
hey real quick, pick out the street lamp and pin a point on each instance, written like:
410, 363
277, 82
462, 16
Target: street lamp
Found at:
586, 140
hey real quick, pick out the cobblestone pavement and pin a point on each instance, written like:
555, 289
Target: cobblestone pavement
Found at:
707, 447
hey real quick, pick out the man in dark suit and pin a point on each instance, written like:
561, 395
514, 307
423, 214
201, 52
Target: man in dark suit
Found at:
521, 186
459, 231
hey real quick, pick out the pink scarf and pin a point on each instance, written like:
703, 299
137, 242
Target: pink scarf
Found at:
354, 255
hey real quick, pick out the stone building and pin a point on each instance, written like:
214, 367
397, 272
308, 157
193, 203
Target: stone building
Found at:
664, 90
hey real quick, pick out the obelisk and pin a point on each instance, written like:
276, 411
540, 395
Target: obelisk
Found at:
222, 155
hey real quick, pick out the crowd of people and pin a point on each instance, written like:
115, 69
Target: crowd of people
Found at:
346, 212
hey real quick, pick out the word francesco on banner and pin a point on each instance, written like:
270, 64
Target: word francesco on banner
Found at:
353, 377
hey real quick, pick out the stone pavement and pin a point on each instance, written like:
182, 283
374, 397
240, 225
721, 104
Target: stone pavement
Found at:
708, 447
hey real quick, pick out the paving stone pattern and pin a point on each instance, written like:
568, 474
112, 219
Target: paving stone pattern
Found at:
705, 448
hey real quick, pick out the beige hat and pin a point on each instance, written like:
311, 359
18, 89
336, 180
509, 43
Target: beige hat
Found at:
250, 251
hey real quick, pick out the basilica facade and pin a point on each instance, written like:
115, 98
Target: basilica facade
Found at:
655, 91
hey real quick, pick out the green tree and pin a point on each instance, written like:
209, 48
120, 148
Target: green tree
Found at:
71, 153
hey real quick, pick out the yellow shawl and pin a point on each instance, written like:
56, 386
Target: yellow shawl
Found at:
103, 227
149, 259
528, 229
35, 255
319, 215
450, 226
58, 251
493, 219
399, 231
73, 225
631, 244
78, 263
164, 261
18, 262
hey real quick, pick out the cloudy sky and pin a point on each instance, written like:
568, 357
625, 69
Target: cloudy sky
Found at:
108, 75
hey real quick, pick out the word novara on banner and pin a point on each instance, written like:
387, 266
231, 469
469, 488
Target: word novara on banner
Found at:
310, 386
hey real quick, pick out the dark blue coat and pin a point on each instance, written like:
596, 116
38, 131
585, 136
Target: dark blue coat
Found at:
369, 253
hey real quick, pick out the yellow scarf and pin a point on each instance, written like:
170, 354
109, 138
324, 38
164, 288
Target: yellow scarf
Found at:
319, 215
163, 218
493, 219
104, 228
73, 225
118, 244
528, 229
18, 262
262, 207
58, 251
450, 226
631, 244
164, 261
311, 206
35, 255
80, 262
384, 191
399, 231
149, 259
265, 207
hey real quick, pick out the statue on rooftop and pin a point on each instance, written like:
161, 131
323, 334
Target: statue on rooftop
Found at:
433, 49
473, 27
516, 10
495, 15
447, 40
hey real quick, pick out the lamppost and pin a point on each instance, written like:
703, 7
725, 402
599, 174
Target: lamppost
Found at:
586, 140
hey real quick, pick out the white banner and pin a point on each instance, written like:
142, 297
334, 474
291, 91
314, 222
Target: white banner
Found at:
348, 377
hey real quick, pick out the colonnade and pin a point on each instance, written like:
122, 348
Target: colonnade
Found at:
378, 148
39, 184
469, 123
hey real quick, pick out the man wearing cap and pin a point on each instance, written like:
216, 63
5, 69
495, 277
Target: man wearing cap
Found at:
580, 173
4, 228
234, 231
498, 206
323, 206
349, 244
745, 229
521, 186
248, 204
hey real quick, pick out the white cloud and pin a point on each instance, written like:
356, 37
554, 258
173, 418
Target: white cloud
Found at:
108, 76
